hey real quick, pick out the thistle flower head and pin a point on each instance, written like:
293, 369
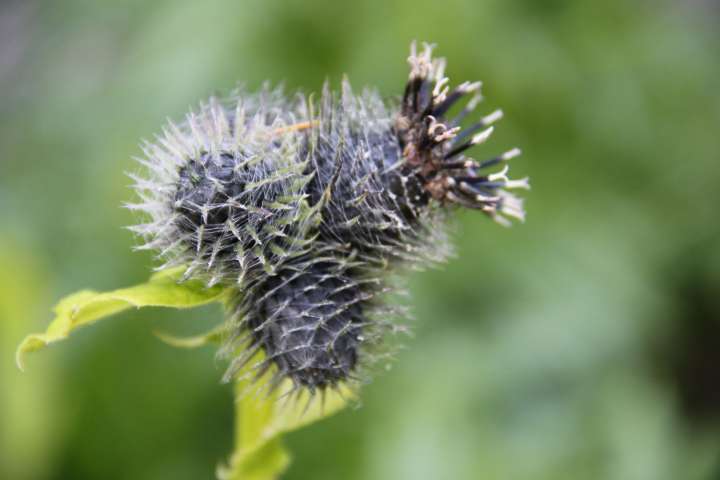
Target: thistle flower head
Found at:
302, 207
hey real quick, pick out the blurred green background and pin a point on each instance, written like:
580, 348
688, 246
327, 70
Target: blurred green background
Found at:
584, 344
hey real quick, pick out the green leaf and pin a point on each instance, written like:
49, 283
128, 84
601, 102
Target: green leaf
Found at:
87, 306
262, 419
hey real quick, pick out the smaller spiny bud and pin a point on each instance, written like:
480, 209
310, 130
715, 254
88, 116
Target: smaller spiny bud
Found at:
313, 320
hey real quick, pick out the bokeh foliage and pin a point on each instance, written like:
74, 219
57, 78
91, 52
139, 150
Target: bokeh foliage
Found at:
583, 344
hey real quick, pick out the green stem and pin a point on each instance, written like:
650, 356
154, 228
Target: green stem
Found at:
262, 419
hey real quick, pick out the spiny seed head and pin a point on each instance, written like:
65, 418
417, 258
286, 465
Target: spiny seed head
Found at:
302, 207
